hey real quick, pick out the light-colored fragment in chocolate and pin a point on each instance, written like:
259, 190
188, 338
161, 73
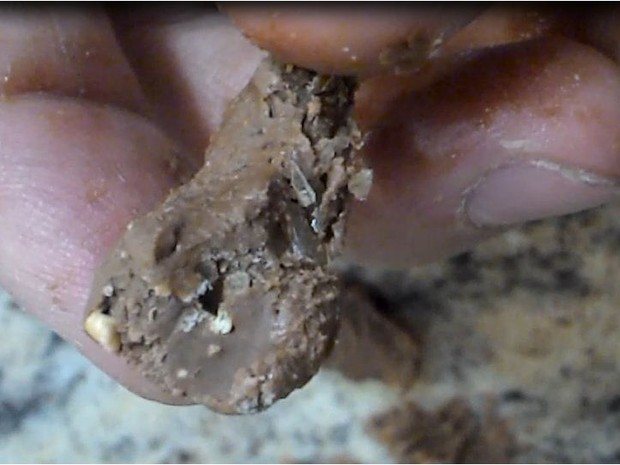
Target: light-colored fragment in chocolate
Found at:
360, 183
102, 328
222, 323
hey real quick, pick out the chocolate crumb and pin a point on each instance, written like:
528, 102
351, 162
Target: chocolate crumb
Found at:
454, 433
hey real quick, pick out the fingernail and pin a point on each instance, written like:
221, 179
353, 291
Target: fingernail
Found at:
533, 190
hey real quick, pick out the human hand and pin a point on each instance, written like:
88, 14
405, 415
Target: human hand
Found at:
492, 131
488, 137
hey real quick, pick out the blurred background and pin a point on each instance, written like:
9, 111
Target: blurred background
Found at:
507, 353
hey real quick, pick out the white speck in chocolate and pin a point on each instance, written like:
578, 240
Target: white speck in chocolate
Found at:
360, 183
192, 319
162, 289
305, 194
222, 323
203, 288
213, 349
108, 291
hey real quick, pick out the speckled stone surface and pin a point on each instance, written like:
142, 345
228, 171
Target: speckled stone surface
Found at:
527, 323
56, 407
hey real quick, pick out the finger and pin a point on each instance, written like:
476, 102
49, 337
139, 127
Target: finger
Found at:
341, 39
504, 24
65, 51
519, 133
62, 210
72, 174
498, 25
600, 27
314, 37
191, 64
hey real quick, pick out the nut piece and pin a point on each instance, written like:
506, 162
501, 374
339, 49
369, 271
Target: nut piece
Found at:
102, 328
229, 282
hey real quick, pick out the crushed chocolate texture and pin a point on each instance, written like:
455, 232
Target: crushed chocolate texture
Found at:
224, 295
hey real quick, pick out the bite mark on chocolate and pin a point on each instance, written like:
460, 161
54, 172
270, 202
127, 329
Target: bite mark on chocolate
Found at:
224, 294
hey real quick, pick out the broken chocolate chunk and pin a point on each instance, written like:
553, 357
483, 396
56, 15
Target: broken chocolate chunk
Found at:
370, 345
224, 294
453, 433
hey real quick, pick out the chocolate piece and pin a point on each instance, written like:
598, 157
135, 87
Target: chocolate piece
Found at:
223, 294
414, 435
372, 346
452, 434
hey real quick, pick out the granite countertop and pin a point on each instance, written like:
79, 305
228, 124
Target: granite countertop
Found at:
519, 353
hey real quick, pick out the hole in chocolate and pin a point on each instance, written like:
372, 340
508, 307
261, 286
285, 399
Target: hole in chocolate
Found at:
211, 299
323, 179
167, 242
106, 305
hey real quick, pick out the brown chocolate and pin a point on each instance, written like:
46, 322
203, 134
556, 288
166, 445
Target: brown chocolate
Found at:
453, 433
223, 294
372, 346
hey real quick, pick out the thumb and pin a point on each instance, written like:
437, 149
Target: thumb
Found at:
470, 143
518, 133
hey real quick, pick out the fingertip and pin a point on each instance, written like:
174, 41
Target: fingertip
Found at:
504, 24
72, 52
341, 40
72, 175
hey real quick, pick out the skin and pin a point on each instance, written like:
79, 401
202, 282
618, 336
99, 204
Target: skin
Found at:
512, 116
